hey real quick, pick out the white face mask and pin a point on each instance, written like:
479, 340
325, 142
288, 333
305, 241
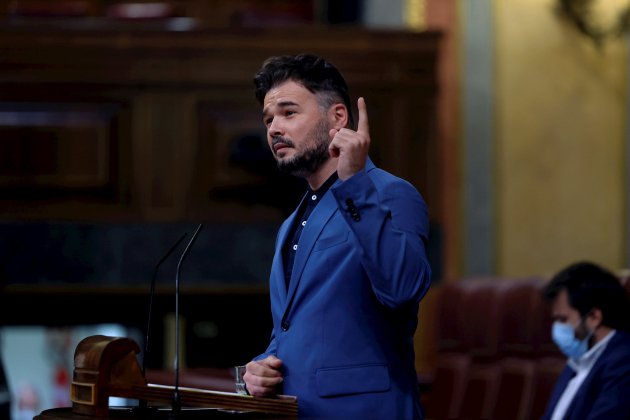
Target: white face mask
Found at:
563, 335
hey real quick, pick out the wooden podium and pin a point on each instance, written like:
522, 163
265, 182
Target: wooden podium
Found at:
107, 367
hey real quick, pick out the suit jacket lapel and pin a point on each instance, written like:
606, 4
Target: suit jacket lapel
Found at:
565, 376
278, 261
316, 222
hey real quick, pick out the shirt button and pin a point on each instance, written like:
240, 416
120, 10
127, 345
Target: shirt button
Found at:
285, 326
304, 223
313, 197
295, 247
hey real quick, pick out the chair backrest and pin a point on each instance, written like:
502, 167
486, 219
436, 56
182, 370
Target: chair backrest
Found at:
452, 362
520, 302
444, 399
450, 332
480, 318
547, 372
515, 390
481, 323
481, 389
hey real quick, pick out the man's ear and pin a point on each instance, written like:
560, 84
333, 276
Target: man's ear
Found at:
338, 116
595, 317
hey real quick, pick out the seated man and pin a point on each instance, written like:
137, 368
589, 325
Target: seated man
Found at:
591, 313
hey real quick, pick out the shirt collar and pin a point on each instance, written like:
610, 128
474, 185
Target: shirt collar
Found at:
319, 193
589, 358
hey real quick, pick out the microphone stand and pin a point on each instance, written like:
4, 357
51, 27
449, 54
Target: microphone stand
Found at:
143, 404
176, 399
151, 296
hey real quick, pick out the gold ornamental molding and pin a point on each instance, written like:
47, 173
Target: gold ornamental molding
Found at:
597, 19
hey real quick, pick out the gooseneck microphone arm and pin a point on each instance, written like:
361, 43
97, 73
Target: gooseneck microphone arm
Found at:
176, 399
151, 296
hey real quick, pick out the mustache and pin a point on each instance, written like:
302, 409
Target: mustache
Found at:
282, 140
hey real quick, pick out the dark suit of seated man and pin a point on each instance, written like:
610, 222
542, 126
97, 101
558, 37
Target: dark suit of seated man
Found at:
591, 313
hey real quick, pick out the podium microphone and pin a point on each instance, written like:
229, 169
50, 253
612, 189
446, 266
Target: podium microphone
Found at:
176, 400
151, 296
143, 406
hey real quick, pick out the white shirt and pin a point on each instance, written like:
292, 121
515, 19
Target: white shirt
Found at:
582, 368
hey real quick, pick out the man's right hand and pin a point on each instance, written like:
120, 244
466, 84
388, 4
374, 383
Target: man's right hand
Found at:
263, 376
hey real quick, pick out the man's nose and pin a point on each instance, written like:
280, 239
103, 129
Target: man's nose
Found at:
275, 128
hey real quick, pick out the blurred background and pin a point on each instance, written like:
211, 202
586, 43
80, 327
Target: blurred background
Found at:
124, 124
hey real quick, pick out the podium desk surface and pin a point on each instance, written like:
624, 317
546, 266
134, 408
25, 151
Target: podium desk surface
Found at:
131, 413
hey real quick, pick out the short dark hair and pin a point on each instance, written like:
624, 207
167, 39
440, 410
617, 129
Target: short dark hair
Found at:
589, 286
313, 72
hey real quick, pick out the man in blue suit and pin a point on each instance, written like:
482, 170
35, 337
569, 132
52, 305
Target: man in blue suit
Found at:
592, 318
350, 266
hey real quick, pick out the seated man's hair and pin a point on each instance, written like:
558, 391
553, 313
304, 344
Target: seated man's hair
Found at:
590, 286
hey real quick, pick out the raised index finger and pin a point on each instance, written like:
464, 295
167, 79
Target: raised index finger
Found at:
363, 126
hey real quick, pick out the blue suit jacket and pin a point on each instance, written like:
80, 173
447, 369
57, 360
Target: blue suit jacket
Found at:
344, 329
605, 393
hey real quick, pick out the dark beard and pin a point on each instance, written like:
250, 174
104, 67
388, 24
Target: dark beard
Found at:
309, 161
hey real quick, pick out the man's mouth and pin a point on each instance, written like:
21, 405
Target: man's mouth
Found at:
279, 144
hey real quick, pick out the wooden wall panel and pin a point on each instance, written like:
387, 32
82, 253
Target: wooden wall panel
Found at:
183, 101
47, 146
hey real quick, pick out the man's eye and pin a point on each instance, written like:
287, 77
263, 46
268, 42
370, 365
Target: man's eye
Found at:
289, 113
267, 121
